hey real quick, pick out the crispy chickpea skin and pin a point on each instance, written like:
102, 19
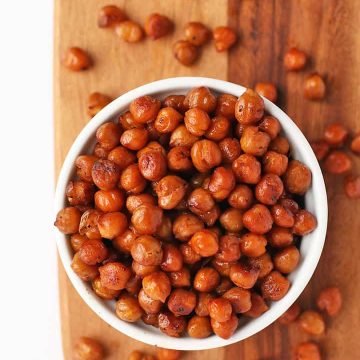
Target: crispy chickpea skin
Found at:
241, 197
157, 286
170, 190
280, 144
254, 142
297, 178
249, 108
330, 301
152, 165
335, 134
230, 149
224, 38
244, 275
263, 263
181, 136
181, 302
84, 165
197, 33
89, 224
100, 152
128, 309
305, 223
144, 270
307, 351
112, 224
167, 120
179, 159
269, 189
205, 243
110, 15
274, 163
352, 187
149, 305
135, 201
205, 155
157, 26
274, 286
83, 271
131, 180
108, 135
229, 248
258, 219
201, 98
76, 59
282, 216
171, 325
197, 121
103, 292
145, 109
320, 148
134, 139
127, 121
180, 278
105, 174
226, 106
189, 255
114, 275
186, 225
176, 102
88, 349
129, 31
337, 162
287, 259
68, 220
290, 315
258, 306
295, 59
93, 252
312, 322
77, 240
185, 52
267, 89
146, 250
240, 299
247, 169
199, 327
231, 220
314, 87
220, 309
167, 354
222, 182
96, 102
109, 200
200, 201
172, 258
206, 279
253, 245
225, 329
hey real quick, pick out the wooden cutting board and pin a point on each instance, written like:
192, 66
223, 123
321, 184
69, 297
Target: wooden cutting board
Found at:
325, 29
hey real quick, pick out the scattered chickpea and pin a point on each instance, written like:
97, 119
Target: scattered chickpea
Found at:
76, 59
96, 102
167, 354
312, 322
185, 52
290, 315
335, 134
330, 300
307, 351
321, 149
129, 31
197, 33
355, 144
157, 26
110, 15
268, 90
314, 88
224, 38
295, 59
88, 349
352, 186
337, 162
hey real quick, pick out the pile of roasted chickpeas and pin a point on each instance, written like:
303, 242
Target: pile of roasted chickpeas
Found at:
188, 212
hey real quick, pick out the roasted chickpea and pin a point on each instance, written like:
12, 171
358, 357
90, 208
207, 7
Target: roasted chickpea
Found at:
229, 248
321, 149
280, 145
240, 299
131, 180
180, 278
144, 270
337, 162
205, 154
88, 349
93, 252
305, 223
231, 220
200, 201
129, 31
76, 59
330, 300
312, 322
181, 302
152, 165
269, 189
210, 217
282, 216
172, 258
185, 52
206, 279
197, 121
263, 263
181, 136
199, 327
280, 237
83, 271
84, 165
224, 38
335, 134
179, 159
109, 200
271, 126
222, 182
295, 59
202, 306
225, 329
226, 106
297, 178
68, 220
205, 243
108, 135
267, 90
112, 224
122, 157
167, 354
258, 219
89, 224
244, 275
134, 139
307, 351
96, 102
249, 108
135, 201
355, 144
114, 275
200, 98
241, 197
287, 259
230, 149
197, 33
254, 142
189, 255
77, 240
220, 309
314, 87
274, 286
167, 120
133, 285
171, 324
150, 319
103, 292
247, 169
152, 146
170, 190
146, 250
219, 128
149, 305
253, 245
290, 315
100, 152
164, 231
145, 109
157, 26
105, 174
110, 15
176, 102
225, 285
127, 121
157, 285
352, 187
274, 163
186, 225
128, 308
290, 205
258, 306
124, 242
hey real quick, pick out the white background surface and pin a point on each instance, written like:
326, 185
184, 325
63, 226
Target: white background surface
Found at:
29, 317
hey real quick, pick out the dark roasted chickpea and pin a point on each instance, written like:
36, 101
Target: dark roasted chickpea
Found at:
258, 306
314, 87
220, 309
157, 26
240, 299
271, 126
76, 59
167, 120
297, 178
197, 121
179, 159
219, 128
206, 279
269, 189
89, 224
330, 300
84, 165
157, 285
199, 327
164, 231
167, 354
244, 275
122, 157
355, 144
241, 197
321, 149
335, 134
181, 136
224, 38
144, 270
114, 275
181, 302
267, 90
180, 278
146, 250
186, 225
109, 200
124, 242
197, 33
176, 102
134, 139
149, 319
112, 224
221, 183
77, 240
225, 329
287, 259
93, 252
230, 149
305, 223
105, 174
258, 219
154, 135
225, 285
131, 180
295, 59
152, 165
68, 220
100, 152
128, 309
108, 135
127, 121
103, 292
88, 349
274, 286
110, 15
129, 31
249, 108
222, 267
307, 351
337, 162
312, 322
280, 237
253, 245
226, 106
229, 248
145, 109
185, 52
247, 169
210, 217
205, 243
189, 255
263, 263
135, 201
290, 315
274, 163
280, 144
83, 271
171, 325
170, 191
290, 205
282, 216
172, 258
133, 285
149, 305
352, 186
231, 220
205, 155
201, 98
96, 102
254, 142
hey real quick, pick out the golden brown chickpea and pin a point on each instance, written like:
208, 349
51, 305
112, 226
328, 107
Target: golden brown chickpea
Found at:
76, 59
176, 102
179, 159
225, 285
305, 223
145, 109
271, 126
108, 135
109, 200
335, 134
127, 121
180, 278
352, 187
247, 169
307, 351
314, 87
210, 217
321, 149
249, 108
103, 292
124, 242
170, 190
189, 255
269, 189
171, 325
219, 128
150, 319
201, 98
144, 270
181, 302
220, 309
129, 31
263, 263
152, 165
93, 252
244, 275
89, 224
96, 102
280, 237
282, 216
280, 145
290, 315
202, 306
355, 144
77, 240
100, 152
105, 174
112, 224
254, 142
205, 243
110, 15
258, 306
83, 271
297, 178
231, 220
253, 245
197, 121
226, 106
224, 38
225, 329
152, 146
312, 322
131, 180
230, 149
146, 250
122, 157
157, 26
287, 259
206, 279
240, 299
274, 163
222, 267
84, 165
295, 59
167, 354
88, 349
200, 201
229, 248
68, 220
135, 201
199, 327
337, 162
330, 300
182, 137
222, 182
186, 225
167, 120
267, 90
172, 258
185, 52
205, 155
134, 139
241, 197
114, 275
290, 205
157, 285
274, 286
128, 308
197, 33
149, 305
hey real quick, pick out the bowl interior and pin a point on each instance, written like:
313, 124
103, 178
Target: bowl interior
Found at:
311, 245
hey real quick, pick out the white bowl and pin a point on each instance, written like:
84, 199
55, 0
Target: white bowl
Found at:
311, 245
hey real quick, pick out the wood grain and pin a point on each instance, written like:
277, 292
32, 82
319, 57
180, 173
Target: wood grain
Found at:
327, 30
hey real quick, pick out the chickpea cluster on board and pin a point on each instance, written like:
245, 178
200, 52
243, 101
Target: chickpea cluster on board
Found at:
188, 212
